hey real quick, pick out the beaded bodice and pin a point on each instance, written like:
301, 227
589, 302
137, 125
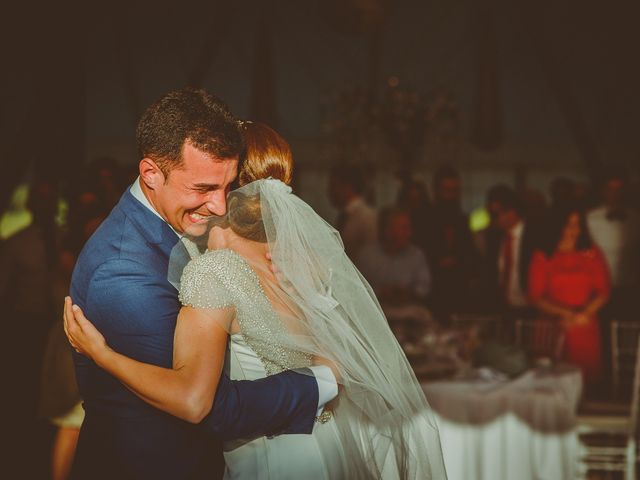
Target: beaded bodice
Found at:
222, 279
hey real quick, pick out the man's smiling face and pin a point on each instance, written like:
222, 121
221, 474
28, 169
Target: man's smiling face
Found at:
194, 191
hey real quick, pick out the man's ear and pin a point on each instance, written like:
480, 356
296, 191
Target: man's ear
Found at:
151, 174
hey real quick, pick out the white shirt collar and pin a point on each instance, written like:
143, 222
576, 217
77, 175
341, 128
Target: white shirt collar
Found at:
138, 194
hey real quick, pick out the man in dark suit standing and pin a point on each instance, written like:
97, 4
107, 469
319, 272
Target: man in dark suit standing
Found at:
189, 147
510, 242
449, 246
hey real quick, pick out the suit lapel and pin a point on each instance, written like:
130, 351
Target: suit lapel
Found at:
155, 230
169, 239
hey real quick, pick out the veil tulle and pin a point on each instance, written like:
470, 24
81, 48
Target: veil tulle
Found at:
327, 310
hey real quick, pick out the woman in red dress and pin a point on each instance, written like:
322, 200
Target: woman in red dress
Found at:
569, 281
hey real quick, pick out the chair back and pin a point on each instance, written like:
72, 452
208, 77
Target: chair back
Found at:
624, 344
489, 326
540, 338
635, 396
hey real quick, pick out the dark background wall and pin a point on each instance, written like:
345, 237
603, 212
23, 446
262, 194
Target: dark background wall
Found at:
548, 87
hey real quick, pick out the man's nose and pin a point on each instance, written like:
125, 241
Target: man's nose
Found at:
217, 203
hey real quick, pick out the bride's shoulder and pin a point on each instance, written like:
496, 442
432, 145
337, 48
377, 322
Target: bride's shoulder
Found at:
212, 262
208, 279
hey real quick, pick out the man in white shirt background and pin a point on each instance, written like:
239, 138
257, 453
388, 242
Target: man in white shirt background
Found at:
615, 228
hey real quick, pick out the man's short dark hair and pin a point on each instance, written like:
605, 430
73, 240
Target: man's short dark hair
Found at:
187, 115
506, 196
349, 175
387, 214
613, 173
445, 171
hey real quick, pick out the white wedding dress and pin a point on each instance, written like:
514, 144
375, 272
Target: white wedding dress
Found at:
223, 279
317, 305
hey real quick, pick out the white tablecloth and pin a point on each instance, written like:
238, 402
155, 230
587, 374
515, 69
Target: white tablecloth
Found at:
512, 430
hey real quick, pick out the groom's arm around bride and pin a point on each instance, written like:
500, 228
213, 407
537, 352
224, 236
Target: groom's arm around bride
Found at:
187, 139
135, 307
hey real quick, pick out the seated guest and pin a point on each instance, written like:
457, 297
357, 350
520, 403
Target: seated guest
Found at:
356, 220
396, 269
569, 281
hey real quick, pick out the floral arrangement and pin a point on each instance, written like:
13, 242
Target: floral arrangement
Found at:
355, 120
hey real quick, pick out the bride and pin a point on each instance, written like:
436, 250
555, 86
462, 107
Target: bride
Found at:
309, 306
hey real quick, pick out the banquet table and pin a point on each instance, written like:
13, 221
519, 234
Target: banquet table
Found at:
492, 428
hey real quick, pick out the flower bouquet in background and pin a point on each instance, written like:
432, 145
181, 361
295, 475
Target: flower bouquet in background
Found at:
350, 124
356, 119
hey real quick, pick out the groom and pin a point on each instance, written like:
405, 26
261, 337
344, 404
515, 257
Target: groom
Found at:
190, 145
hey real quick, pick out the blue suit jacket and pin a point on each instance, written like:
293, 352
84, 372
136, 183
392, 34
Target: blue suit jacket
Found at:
120, 281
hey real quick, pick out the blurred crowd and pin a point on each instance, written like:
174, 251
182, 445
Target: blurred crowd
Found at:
574, 259
36, 263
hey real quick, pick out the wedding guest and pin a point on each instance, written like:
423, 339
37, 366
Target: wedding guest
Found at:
584, 195
357, 221
396, 268
26, 263
569, 281
534, 203
60, 401
487, 241
86, 213
414, 198
563, 192
105, 178
449, 245
615, 228
511, 241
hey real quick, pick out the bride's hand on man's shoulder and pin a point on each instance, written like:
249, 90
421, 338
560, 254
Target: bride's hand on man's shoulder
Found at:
82, 335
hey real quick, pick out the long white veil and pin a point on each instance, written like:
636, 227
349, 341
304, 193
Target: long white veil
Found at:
327, 310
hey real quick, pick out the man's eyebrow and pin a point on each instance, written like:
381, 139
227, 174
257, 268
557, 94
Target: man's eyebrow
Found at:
206, 185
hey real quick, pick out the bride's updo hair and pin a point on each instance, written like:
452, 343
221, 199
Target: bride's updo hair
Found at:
267, 155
